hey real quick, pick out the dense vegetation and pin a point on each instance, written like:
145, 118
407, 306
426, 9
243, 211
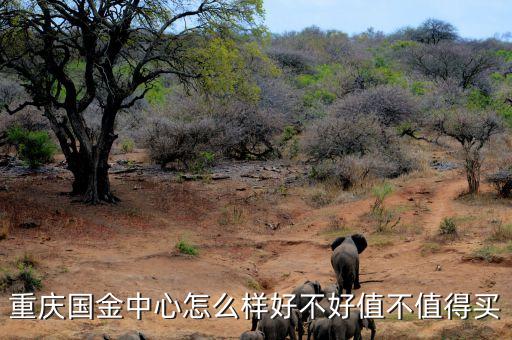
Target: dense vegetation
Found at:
351, 107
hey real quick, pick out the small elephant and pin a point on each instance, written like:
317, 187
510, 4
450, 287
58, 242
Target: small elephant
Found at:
318, 329
278, 328
252, 335
345, 261
345, 329
308, 287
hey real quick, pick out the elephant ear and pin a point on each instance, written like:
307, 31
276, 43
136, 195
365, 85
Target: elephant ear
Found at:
337, 242
360, 242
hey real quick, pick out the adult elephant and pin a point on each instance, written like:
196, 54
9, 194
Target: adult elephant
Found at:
301, 300
345, 261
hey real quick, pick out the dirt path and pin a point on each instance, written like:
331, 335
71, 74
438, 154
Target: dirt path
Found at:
131, 247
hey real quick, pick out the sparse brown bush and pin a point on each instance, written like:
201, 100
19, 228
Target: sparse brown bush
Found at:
336, 137
501, 232
349, 150
392, 105
246, 133
170, 141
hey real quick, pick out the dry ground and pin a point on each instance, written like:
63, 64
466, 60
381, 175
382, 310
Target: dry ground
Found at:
130, 247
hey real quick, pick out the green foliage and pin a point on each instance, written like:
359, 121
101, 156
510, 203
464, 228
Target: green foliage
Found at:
419, 88
387, 75
226, 65
184, 247
34, 147
157, 95
448, 227
383, 216
127, 145
205, 160
320, 95
322, 72
380, 192
477, 100
25, 280
288, 133
505, 54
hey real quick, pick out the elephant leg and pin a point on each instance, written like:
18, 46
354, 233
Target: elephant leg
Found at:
300, 329
357, 285
339, 281
292, 332
254, 323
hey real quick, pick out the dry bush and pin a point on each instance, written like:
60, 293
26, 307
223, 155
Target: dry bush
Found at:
336, 137
170, 141
349, 151
293, 60
247, 133
392, 105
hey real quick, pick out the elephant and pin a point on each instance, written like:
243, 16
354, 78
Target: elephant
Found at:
318, 329
308, 287
344, 329
252, 335
330, 289
278, 328
345, 261
133, 336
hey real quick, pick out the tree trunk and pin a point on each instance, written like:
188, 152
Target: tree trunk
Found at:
473, 173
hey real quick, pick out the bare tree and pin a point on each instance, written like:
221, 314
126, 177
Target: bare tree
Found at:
433, 31
461, 61
472, 130
72, 54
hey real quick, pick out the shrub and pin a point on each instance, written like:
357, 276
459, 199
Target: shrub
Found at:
501, 232
247, 133
333, 138
345, 173
320, 198
34, 147
25, 280
349, 150
448, 227
170, 141
502, 182
186, 248
392, 105
384, 217
127, 145
5, 225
